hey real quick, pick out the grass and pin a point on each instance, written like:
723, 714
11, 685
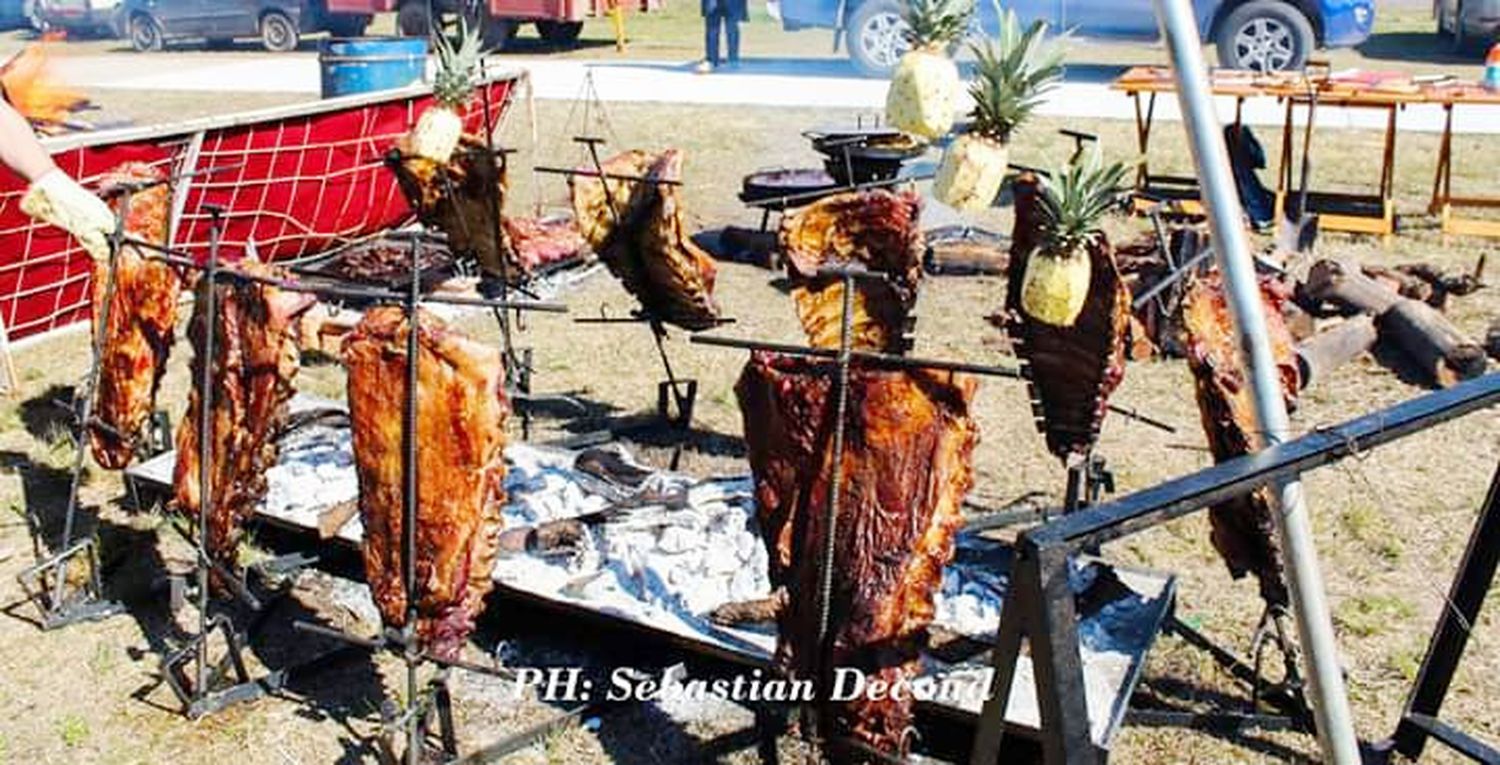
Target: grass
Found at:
73, 731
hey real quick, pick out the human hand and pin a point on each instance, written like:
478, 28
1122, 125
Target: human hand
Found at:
57, 199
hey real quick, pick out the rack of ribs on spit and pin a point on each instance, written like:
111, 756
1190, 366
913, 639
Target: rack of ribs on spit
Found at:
1071, 370
907, 465
255, 360
643, 242
460, 434
877, 229
142, 319
1244, 530
464, 199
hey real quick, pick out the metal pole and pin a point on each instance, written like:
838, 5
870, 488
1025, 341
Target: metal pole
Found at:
409, 512
205, 381
1314, 626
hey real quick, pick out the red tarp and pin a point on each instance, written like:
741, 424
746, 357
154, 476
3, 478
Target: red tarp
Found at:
311, 179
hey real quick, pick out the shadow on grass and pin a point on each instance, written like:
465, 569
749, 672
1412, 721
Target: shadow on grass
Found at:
1425, 47
48, 415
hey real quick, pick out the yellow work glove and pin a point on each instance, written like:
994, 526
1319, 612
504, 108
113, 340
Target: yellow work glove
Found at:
57, 199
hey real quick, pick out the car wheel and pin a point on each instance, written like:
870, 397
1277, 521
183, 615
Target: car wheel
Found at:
278, 33
876, 37
413, 20
1265, 36
560, 32
145, 34
499, 32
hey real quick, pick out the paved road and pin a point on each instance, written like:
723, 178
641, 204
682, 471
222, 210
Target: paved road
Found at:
759, 82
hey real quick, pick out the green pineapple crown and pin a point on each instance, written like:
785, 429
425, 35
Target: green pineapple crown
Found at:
936, 23
1071, 202
457, 64
1013, 72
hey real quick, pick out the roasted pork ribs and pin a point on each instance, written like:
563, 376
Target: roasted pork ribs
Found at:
465, 200
1244, 530
255, 359
878, 230
461, 413
1072, 370
636, 228
906, 468
142, 319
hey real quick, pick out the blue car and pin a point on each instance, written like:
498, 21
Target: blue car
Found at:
1265, 35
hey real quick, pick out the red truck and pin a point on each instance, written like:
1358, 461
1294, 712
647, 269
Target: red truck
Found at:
557, 21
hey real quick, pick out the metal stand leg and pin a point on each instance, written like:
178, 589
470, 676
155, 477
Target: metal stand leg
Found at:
1475, 577
69, 600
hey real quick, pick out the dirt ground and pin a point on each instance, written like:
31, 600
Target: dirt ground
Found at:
1390, 525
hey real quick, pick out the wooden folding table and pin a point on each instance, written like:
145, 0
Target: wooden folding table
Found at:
1342, 211
1443, 200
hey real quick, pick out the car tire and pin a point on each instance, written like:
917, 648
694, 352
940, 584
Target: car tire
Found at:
1265, 35
876, 37
560, 32
146, 34
498, 33
413, 20
278, 33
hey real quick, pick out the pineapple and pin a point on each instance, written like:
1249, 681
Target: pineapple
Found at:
1013, 72
436, 134
925, 87
1069, 206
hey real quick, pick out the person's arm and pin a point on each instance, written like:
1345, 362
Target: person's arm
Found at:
19, 148
51, 195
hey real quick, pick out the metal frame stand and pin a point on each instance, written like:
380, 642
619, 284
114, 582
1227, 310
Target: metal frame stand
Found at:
1040, 609
203, 691
62, 602
1472, 582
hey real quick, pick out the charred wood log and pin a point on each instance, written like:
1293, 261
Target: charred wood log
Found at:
1320, 354
1422, 333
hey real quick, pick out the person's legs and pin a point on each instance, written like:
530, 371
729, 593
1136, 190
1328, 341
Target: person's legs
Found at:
732, 26
711, 37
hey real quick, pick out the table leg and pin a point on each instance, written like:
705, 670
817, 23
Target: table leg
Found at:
1388, 178
1284, 174
1440, 185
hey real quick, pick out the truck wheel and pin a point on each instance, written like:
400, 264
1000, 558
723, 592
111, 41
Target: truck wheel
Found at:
1265, 36
278, 33
499, 32
347, 25
560, 32
412, 19
145, 34
876, 37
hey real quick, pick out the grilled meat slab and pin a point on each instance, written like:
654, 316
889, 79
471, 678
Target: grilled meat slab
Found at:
907, 465
142, 323
643, 242
1244, 529
1072, 370
461, 413
876, 229
464, 199
255, 359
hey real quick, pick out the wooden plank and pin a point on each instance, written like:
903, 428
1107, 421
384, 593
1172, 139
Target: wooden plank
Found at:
10, 384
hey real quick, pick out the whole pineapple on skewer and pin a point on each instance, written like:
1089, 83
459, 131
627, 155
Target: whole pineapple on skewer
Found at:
1070, 205
437, 131
925, 87
1012, 73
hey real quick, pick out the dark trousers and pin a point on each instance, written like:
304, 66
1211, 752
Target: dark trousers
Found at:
711, 35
